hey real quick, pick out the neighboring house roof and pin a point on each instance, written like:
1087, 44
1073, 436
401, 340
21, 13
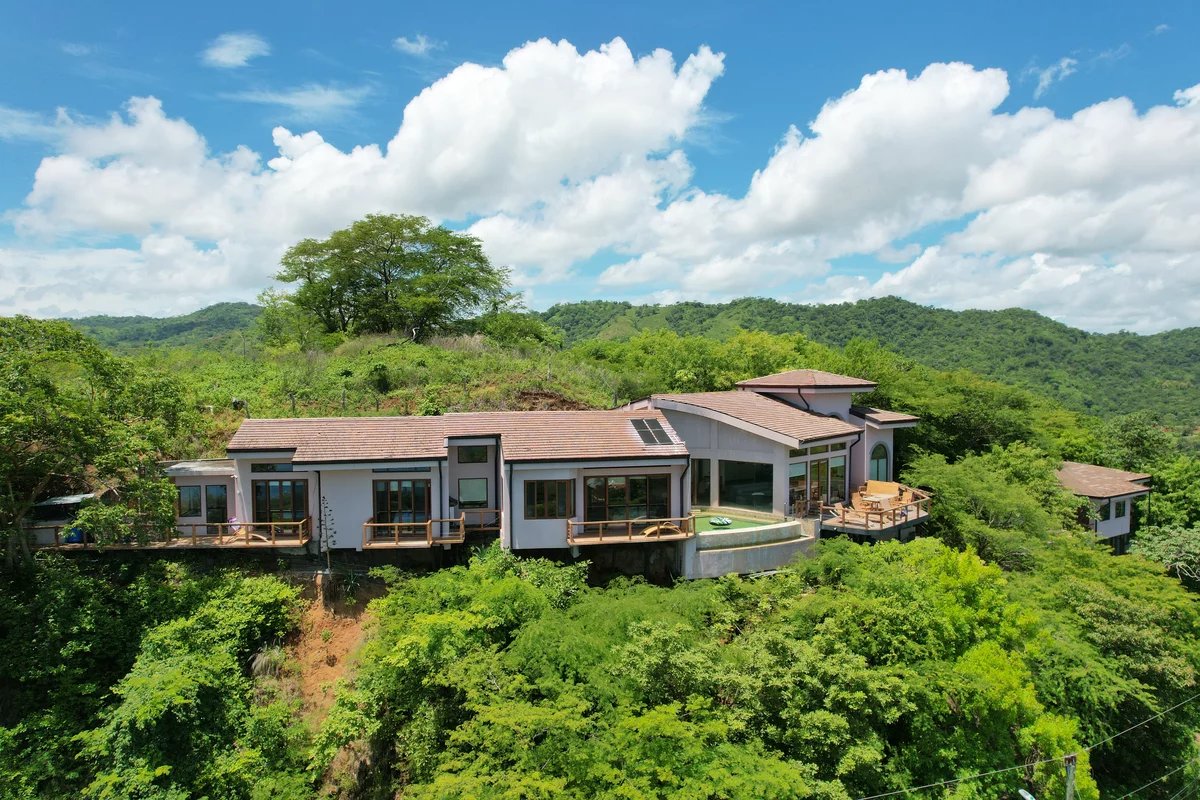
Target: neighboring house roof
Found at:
766, 412
68, 499
567, 435
881, 416
1089, 480
524, 436
219, 467
807, 379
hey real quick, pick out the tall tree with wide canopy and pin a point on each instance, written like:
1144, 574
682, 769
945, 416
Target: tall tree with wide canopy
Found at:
393, 274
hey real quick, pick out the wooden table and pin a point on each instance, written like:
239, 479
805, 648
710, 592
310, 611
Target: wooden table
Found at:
875, 501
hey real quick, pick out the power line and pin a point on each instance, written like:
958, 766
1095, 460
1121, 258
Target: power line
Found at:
960, 779
1143, 722
1159, 779
1087, 749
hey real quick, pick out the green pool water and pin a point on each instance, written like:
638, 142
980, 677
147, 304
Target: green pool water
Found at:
704, 524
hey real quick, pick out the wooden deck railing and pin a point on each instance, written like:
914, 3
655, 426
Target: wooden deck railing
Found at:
414, 534
483, 519
894, 514
641, 530
199, 534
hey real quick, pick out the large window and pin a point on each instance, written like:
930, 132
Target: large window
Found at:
701, 482
401, 501
280, 501
628, 497
1105, 510
549, 499
879, 462
216, 503
837, 479
1120, 511
281, 466
747, 484
798, 487
189, 501
472, 493
472, 454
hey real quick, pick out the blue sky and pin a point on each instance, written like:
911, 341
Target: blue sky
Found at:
1038, 162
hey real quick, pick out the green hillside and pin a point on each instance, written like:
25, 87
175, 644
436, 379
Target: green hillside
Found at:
212, 327
1105, 374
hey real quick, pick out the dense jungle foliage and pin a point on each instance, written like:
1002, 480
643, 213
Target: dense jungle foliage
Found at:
1003, 640
1105, 374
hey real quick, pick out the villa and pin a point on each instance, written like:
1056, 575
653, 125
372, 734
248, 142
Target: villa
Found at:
1111, 492
790, 456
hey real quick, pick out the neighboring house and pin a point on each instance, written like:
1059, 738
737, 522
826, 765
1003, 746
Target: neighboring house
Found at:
1111, 492
51, 521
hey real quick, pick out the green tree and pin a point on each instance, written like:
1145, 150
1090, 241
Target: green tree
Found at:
72, 416
393, 274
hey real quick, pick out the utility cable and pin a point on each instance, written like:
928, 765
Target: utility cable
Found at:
1159, 779
1087, 749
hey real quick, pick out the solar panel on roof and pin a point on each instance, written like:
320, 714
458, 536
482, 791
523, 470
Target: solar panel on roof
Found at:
651, 431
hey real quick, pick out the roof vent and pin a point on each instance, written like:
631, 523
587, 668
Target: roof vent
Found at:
651, 431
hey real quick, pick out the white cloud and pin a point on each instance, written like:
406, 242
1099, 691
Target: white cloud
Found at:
20, 125
1047, 77
232, 50
309, 103
77, 49
419, 45
560, 158
1162, 27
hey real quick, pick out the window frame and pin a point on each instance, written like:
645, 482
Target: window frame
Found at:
473, 504
473, 448
562, 487
1105, 510
885, 458
179, 508
631, 501
255, 506
427, 495
1121, 509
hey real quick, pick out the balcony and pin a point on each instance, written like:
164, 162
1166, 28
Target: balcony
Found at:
199, 535
624, 531
392, 535
878, 510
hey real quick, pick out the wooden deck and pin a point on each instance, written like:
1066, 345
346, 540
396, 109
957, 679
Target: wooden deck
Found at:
877, 510
637, 531
392, 535
227, 535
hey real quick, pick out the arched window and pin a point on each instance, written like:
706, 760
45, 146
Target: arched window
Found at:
879, 462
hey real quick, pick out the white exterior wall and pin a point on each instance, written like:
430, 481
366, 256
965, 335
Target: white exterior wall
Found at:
539, 534
837, 404
485, 470
202, 481
714, 440
1114, 525
860, 455
241, 502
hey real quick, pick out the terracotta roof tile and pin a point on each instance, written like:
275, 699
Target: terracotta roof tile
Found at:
881, 416
1090, 480
341, 439
567, 435
525, 436
808, 379
766, 412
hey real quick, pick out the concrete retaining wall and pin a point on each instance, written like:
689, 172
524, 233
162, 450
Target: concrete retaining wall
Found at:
748, 550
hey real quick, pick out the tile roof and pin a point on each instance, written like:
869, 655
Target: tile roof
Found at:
808, 379
525, 436
333, 439
766, 412
567, 435
1090, 480
882, 416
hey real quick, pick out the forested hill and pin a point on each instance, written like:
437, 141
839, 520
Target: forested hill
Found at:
1103, 373
208, 327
